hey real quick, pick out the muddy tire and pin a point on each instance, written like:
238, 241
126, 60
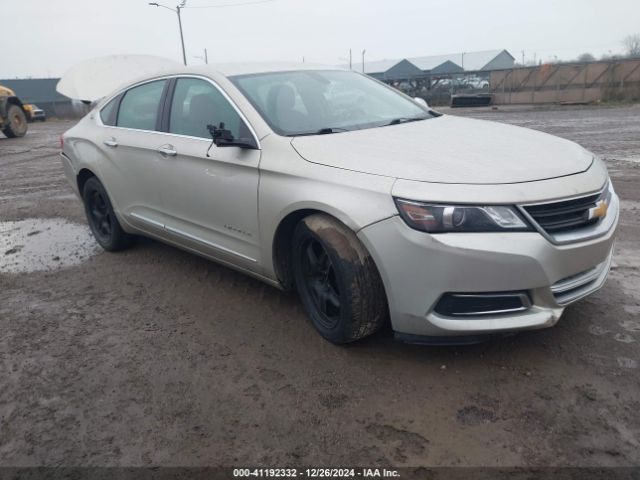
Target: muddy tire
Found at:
16, 122
337, 280
102, 220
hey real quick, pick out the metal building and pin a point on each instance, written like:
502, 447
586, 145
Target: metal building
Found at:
42, 92
412, 67
437, 78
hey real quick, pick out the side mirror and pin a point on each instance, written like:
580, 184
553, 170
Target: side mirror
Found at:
421, 101
224, 138
220, 136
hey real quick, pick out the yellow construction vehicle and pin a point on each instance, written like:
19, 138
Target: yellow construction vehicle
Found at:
13, 118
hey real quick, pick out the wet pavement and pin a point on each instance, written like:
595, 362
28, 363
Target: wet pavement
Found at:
34, 244
154, 356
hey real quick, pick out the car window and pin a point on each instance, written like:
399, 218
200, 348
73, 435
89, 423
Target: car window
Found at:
305, 102
108, 112
139, 106
197, 103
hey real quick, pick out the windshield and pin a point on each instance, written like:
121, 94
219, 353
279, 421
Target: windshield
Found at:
325, 101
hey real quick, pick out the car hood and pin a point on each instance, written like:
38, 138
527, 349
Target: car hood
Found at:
448, 149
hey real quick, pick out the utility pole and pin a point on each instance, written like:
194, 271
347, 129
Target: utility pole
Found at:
462, 61
177, 11
523, 58
350, 61
178, 8
204, 58
363, 52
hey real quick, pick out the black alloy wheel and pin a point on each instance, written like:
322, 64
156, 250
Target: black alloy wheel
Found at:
321, 283
337, 280
99, 216
102, 219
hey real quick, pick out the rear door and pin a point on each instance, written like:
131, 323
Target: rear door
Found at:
211, 202
136, 169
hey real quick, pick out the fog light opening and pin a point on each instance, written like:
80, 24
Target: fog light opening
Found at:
482, 304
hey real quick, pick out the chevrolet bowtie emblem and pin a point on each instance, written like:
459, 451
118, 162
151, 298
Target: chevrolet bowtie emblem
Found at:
599, 211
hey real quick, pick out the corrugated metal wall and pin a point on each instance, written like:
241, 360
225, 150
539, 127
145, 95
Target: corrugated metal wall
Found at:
567, 83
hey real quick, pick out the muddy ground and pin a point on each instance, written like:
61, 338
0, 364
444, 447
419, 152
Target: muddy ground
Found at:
158, 357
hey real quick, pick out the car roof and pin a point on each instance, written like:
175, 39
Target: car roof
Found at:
232, 69
227, 70
95, 78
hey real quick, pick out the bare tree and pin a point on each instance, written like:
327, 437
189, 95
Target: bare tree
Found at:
586, 57
632, 45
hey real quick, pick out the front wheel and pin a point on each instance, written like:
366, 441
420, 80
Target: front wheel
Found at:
102, 220
337, 280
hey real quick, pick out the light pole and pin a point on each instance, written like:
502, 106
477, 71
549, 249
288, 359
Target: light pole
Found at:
179, 7
363, 52
204, 58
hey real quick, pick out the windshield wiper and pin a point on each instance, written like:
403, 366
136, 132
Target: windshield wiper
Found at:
397, 121
322, 131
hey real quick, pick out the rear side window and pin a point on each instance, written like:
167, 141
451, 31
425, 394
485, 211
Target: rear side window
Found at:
140, 105
196, 104
108, 112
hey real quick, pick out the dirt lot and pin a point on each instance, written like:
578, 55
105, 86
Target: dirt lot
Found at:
158, 357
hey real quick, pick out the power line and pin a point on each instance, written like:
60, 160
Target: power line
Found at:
232, 4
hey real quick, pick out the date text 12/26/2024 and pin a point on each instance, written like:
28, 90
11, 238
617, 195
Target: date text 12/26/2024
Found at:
315, 473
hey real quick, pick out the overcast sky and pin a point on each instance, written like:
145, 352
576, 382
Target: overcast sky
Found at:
47, 37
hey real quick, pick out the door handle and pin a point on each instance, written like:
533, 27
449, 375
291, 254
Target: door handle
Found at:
167, 151
110, 142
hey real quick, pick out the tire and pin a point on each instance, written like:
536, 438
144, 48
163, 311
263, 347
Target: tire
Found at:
16, 122
101, 218
337, 280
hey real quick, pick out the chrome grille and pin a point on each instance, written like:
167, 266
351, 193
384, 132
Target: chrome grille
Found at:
564, 216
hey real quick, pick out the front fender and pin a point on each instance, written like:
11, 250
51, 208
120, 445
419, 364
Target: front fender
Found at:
355, 199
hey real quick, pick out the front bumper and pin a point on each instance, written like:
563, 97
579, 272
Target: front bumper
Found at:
418, 269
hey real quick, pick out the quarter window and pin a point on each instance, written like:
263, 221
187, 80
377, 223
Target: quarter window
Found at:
140, 105
197, 103
108, 112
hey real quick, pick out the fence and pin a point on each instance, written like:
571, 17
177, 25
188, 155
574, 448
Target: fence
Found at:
562, 83
567, 83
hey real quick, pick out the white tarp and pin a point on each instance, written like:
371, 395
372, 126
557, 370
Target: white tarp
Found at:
93, 79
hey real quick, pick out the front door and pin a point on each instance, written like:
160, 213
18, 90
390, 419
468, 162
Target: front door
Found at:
211, 202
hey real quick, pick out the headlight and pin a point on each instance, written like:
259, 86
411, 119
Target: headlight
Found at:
460, 218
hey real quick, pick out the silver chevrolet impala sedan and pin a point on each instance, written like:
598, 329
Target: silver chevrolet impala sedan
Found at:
374, 207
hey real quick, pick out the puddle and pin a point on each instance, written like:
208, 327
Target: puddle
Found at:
44, 244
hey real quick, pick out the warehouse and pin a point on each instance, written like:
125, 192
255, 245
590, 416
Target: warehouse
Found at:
42, 92
440, 64
436, 78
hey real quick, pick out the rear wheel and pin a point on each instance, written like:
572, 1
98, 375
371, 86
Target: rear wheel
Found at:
16, 122
337, 280
102, 219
